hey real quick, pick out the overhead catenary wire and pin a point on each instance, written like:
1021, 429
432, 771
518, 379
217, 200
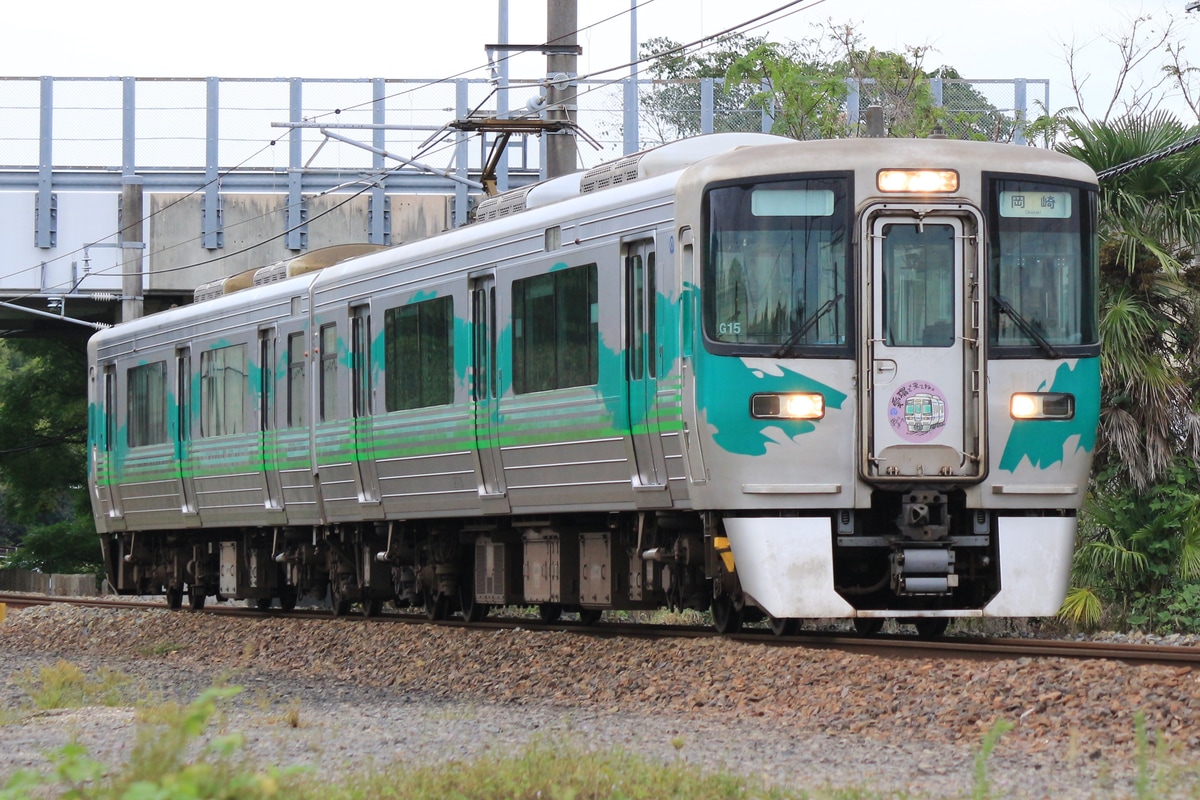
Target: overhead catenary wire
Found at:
471, 70
1149, 158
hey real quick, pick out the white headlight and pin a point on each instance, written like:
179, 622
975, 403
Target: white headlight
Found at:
795, 405
1042, 405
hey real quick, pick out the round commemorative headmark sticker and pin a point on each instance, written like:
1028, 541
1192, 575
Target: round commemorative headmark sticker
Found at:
917, 411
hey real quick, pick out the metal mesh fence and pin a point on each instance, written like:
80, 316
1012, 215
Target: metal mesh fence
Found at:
169, 124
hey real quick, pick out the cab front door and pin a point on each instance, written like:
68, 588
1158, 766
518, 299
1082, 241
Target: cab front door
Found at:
925, 401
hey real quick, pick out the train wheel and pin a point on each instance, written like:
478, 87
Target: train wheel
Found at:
287, 598
931, 627
263, 603
867, 626
590, 616
175, 598
784, 626
727, 618
372, 606
437, 606
549, 612
195, 598
472, 610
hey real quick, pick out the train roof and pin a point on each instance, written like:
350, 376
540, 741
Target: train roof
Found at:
872, 154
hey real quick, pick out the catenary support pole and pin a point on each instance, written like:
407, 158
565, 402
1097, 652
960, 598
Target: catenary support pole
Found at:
561, 24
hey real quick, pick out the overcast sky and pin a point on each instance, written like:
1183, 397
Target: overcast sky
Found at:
406, 39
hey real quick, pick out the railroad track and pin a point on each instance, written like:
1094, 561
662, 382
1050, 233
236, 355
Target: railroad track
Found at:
893, 646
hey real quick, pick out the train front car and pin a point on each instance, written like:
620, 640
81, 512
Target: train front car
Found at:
896, 377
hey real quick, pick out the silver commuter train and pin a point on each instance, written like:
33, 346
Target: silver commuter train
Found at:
836, 379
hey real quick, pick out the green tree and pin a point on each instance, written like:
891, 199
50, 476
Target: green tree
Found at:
670, 110
808, 97
807, 86
43, 428
69, 546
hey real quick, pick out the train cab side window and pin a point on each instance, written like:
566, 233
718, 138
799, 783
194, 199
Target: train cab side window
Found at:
297, 380
419, 354
223, 391
329, 358
555, 330
1042, 265
147, 404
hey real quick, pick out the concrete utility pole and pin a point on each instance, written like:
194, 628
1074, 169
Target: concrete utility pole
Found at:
561, 25
502, 94
131, 248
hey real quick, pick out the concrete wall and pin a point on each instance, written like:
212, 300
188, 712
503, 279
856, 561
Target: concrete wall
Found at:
22, 580
254, 227
86, 256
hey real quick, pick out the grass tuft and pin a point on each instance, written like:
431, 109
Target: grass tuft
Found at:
65, 685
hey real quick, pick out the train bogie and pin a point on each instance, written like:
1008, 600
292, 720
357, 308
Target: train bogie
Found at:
767, 378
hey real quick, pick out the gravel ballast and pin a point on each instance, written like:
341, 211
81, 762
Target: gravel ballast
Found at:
371, 692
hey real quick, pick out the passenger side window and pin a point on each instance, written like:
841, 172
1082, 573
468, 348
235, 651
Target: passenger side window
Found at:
297, 378
147, 404
329, 356
419, 354
223, 391
556, 330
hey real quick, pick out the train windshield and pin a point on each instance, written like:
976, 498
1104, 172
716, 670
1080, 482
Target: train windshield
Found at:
1043, 267
776, 267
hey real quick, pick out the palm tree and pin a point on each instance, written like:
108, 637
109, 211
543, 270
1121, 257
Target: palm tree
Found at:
1141, 526
1150, 316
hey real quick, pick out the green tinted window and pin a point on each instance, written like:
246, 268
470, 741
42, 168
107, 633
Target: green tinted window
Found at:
419, 343
555, 330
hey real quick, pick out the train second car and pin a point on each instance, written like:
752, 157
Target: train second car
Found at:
841, 379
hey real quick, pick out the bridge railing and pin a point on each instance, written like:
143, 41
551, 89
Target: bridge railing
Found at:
110, 127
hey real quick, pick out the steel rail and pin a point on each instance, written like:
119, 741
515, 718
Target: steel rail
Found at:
888, 646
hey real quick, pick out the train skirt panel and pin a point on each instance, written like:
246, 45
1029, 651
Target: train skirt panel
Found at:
1035, 566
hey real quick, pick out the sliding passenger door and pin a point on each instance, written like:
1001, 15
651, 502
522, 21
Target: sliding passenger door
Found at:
485, 394
362, 425
642, 364
268, 438
183, 435
105, 465
295, 448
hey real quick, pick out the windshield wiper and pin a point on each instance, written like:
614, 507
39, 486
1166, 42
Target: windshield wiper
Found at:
806, 326
1026, 326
